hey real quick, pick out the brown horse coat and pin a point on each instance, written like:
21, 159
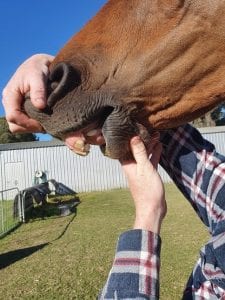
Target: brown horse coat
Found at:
138, 64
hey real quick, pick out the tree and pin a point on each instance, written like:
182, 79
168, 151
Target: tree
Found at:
218, 115
7, 137
204, 121
215, 117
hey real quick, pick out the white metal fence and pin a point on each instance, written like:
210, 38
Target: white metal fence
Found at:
19, 162
9, 217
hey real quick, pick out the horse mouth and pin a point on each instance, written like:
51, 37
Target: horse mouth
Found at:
98, 121
109, 127
89, 132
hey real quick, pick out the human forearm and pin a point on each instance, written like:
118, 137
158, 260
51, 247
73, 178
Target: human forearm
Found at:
135, 271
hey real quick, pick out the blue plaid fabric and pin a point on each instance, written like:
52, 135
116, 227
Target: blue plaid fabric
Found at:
199, 172
135, 271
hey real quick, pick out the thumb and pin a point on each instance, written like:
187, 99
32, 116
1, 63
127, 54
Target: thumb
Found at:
138, 150
38, 92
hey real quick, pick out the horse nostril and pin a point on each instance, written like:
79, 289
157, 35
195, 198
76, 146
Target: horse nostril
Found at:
62, 79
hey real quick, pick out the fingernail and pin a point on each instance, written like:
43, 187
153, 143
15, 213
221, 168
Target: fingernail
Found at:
135, 140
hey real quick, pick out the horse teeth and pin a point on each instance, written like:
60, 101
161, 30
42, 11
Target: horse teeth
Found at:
81, 148
81, 153
79, 144
92, 132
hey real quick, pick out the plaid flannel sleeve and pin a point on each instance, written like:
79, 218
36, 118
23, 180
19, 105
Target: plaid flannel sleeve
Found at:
199, 172
135, 270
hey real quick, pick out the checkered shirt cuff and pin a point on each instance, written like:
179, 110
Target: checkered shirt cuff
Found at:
135, 271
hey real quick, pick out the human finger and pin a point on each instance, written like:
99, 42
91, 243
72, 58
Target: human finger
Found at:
32, 127
17, 120
156, 153
139, 151
12, 100
154, 140
38, 90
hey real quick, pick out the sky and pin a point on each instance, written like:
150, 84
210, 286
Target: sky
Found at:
28, 27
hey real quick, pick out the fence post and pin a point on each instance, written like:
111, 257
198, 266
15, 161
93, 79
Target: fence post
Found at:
20, 208
22, 197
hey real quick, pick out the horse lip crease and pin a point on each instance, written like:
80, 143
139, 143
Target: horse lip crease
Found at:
87, 124
100, 120
106, 131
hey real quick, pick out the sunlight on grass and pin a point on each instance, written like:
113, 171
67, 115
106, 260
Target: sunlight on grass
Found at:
75, 266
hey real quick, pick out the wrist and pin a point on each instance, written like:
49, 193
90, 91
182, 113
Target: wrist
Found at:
151, 221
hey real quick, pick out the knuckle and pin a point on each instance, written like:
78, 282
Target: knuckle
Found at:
10, 118
12, 128
37, 94
40, 89
36, 58
37, 91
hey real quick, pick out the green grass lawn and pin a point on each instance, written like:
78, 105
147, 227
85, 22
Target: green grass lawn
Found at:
69, 257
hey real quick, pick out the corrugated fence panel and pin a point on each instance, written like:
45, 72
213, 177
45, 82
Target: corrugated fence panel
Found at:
216, 136
93, 172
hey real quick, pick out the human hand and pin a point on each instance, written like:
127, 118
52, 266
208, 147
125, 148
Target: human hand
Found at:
29, 77
146, 185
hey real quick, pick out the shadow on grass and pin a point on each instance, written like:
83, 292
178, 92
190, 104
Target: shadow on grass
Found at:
11, 257
8, 258
66, 227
